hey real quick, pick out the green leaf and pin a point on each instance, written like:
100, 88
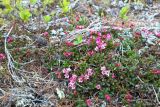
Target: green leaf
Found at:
33, 1
47, 18
78, 40
123, 12
25, 15
65, 5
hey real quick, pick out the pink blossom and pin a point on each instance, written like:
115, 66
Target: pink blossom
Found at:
45, 33
9, 39
99, 33
89, 102
98, 86
72, 81
2, 56
72, 85
128, 97
81, 79
108, 37
96, 48
79, 27
106, 72
77, 18
67, 54
73, 78
86, 77
58, 74
66, 70
92, 32
69, 44
66, 75
156, 71
118, 64
158, 34
102, 46
89, 40
107, 97
90, 53
98, 40
113, 76
103, 68
89, 72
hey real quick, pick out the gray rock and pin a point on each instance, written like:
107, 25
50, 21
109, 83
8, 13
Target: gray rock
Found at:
40, 41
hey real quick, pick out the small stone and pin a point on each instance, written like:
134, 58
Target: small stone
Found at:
54, 40
53, 32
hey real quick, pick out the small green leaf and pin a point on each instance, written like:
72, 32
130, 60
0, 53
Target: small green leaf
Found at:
123, 12
65, 5
47, 18
78, 40
25, 15
33, 1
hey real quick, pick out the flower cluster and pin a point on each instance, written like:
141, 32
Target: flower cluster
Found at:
128, 97
9, 39
86, 76
104, 71
100, 44
2, 56
66, 72
89, 102
70, 44
72, 82
67, 54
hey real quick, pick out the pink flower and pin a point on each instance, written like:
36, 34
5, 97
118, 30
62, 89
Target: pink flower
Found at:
113, 76
156, 71
96, 48
79, 27
98, 40
108, 37
118, 64
45, 33
73, 78
102, 46
89, 102
86, 77
89, 72
99, 33
66, 75
66, 70
98, 86
158, 34
67, 54
58, 74
2, 56
9, 39
90, 53
69, 44
72, 85
103, 68
72, 81
106, 72
81, 79
128, 97
92, 32
107, 97
77, 18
